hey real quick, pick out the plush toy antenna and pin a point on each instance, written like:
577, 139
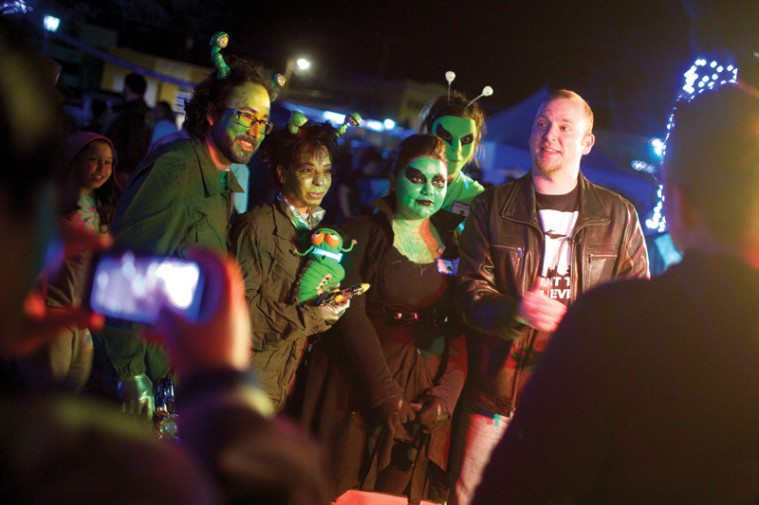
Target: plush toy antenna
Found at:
353, 119
296, 252
219, 41
278, 82
297, 119
350, 248
486, 91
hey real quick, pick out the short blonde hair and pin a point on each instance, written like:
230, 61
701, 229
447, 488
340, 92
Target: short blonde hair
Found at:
571, 95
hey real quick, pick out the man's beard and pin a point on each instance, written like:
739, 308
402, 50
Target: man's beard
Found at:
545, 169
227, 147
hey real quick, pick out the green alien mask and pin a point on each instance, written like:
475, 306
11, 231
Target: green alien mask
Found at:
459, 134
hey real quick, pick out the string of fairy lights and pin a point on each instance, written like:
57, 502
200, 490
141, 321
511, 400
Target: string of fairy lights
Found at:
702, 76
17, 7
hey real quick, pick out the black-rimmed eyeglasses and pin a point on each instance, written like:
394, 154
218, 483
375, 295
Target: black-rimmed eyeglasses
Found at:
247, 119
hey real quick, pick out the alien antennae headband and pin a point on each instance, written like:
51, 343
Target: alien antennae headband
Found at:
219, 41
486, 91
450, 76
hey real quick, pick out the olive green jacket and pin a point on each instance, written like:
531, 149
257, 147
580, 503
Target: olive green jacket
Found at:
174, 200
263, 240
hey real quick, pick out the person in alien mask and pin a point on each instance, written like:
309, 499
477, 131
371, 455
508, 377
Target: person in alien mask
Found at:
382, 384
460, 123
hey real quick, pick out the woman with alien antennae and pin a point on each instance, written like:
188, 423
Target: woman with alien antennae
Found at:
382, 384
460, 123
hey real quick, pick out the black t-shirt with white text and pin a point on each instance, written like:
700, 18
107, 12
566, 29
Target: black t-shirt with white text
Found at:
558, 215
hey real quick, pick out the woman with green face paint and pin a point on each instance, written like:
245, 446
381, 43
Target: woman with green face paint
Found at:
263, 239
397, 356
460, 124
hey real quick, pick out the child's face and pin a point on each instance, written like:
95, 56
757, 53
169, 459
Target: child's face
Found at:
93, 165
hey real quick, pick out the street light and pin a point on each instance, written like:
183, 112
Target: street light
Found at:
51, 23
303, 64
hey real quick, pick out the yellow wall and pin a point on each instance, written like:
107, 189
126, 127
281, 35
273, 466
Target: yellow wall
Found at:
415, 96
113, 76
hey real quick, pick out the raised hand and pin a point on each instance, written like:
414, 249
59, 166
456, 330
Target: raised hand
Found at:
539, 311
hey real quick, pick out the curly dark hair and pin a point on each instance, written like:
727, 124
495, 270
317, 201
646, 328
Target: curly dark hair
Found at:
456, 106
282, 147
212, 94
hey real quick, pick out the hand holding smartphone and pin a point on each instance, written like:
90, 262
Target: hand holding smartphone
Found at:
131, 287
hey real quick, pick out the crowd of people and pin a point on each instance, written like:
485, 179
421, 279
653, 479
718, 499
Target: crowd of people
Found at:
503, 345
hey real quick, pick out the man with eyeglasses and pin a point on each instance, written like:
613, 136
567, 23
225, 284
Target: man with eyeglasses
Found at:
180, 196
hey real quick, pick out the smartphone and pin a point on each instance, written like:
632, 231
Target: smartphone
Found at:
131, 287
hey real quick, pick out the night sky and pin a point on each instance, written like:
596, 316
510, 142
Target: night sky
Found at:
626, 56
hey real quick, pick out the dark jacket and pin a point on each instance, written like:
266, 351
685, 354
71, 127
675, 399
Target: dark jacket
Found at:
263, 240
501, 250
174, 200
355, 331
364, 361
648, 393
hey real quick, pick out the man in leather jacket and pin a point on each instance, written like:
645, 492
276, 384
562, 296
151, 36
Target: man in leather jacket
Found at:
529, 249
659, 380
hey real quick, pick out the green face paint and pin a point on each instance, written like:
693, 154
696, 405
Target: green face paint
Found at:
307, 181
459, 134
236, 142
420, 188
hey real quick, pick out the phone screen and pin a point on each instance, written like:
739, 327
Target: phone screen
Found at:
135, 288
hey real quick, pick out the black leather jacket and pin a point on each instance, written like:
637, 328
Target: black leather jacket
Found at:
501, 250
